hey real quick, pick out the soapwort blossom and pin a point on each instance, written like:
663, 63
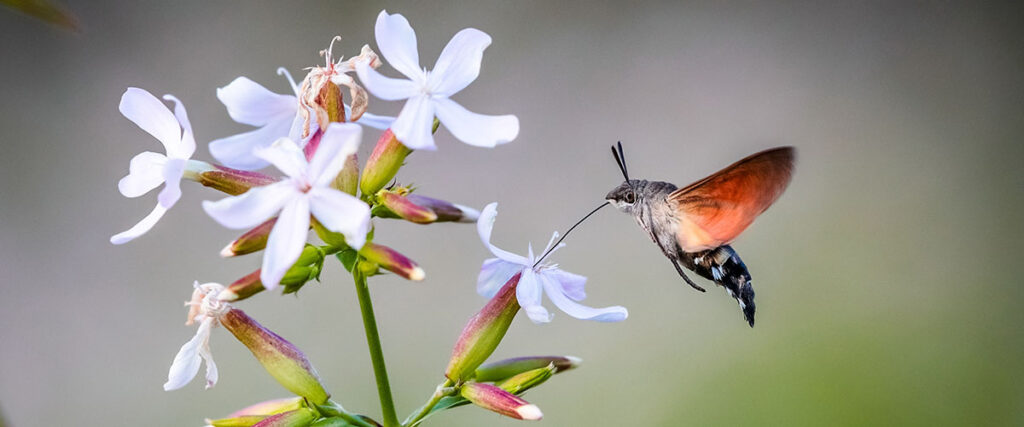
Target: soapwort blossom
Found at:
306, 190
205, 308
565, 289
276, 115
427, 92
148, 169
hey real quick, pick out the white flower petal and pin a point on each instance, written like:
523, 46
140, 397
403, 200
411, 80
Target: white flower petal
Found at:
414, 124
494, 273
285, 242
372, 120
459, 63
286, 156
187, 145
555, 293
484, 225
339, 141
341, 213
186, 363
174, 169
211, 367
145, 172
383, 87
252, 207
236, 151
572, 284
141, 228
528, 293
298, 126
397, 43
142, 108
475, 129
250, 103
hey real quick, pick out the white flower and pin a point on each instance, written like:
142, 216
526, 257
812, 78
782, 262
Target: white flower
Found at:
276, 115
306, 190
428, 91
148, 169
562, 287
206, 309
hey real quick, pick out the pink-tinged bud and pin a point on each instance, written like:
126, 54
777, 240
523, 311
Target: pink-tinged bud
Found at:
526, 380
391, 260
446, 211
404, 208
348, 179
239, 421
271, 407
243, 288
495, 399
252, 241
297, 418
383, 164
232, 181
496, 371
280, 358
253, 414
483, 333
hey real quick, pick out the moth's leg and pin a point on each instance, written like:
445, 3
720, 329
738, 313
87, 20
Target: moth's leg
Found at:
683, 275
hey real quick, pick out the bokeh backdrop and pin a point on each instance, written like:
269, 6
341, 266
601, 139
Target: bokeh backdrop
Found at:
887, 276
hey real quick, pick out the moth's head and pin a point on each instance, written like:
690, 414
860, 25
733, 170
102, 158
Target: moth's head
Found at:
625, 196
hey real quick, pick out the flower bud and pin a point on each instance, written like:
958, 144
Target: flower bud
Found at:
391, 260
280, 358
502, 369
446, 211
348, 179
297, 418
483, 333
231, 181
404, 208
527, 380
495, 399
253, 414
383, 164
252, 241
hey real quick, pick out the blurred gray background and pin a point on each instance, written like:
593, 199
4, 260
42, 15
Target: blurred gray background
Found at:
886, 276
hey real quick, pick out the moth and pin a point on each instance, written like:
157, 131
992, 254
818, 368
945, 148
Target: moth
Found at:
694, 225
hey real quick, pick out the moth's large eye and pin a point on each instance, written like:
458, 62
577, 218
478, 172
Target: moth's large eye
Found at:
630, 197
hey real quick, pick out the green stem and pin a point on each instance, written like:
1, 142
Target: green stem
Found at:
439, 393
387, 405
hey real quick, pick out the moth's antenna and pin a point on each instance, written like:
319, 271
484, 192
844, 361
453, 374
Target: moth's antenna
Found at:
569, 231
620, 159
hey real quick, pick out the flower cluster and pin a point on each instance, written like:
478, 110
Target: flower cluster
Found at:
312, 138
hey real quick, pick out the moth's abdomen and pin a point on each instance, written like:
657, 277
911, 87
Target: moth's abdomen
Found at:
724, 266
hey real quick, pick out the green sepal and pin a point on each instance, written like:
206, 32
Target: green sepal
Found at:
348, 258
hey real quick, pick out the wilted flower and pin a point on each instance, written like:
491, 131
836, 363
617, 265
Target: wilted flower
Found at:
207, 309
427, 92
148, 170
564, 288
276, 116
306, 190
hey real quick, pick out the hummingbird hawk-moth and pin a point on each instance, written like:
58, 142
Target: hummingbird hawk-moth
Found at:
694, 225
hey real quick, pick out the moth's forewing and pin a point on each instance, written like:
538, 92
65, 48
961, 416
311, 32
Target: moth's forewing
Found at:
715, 210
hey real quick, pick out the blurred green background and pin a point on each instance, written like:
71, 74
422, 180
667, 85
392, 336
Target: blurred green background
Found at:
886, 275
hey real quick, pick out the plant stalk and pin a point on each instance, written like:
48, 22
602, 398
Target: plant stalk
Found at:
387, 405
439, 393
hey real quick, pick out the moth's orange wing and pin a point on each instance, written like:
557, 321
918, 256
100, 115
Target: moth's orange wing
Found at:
716, 209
